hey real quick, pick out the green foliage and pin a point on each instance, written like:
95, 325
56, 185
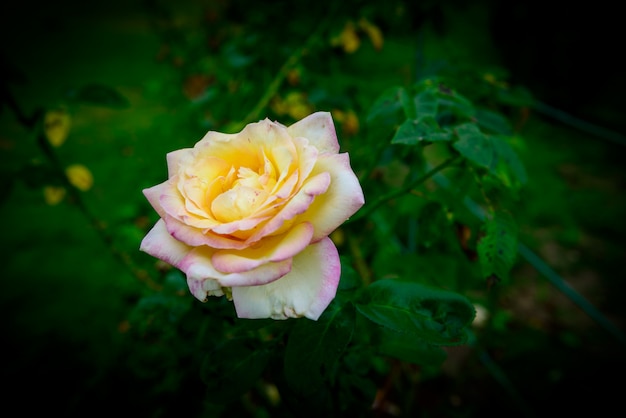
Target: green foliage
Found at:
434, 316
232, 368
497, 249
99, 95
314, 349
437, 140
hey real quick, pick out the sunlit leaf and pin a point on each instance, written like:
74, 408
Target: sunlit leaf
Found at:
426, 104
348, 39
79, 176
493, 121
56, 125
497, 250
509, 161
435, 316
53, 195
419, 130
454, 101
373, 32
474, 145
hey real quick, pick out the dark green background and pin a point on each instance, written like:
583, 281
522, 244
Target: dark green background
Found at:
65, 299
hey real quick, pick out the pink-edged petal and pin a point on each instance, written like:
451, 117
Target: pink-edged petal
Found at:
198, 267
342, 199
153, 195
160, 244
319, 129
173, 205
271, 249
305, 291
176, 159
307, 157
195, 237
236, 226
298, 204
202, 289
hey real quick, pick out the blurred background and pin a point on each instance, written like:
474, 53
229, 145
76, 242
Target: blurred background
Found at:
118, 84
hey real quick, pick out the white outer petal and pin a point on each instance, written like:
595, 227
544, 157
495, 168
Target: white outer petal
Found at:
305, 291
319, 129
160, 244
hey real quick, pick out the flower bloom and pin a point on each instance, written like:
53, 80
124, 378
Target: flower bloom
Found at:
248, 215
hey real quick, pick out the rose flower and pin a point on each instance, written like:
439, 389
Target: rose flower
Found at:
248, 215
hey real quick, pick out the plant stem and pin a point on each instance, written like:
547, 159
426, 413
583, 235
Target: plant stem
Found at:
274, 86
399, 192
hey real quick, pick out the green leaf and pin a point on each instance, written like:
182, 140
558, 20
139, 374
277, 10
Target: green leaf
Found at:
493, 121
409, 348
419, 130
232, 368
349, 277
100, 95
434, 316
426, 104
516, 96
408, 105
386, 108
457, 103
314, 348
498, 248
474, 145
508, 161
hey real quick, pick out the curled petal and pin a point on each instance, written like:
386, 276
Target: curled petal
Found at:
176, 159
342, 199
160, 244
305, 291
153, 194
173, 204
319, 129
202, 289
198, 267
271, 249
195, 237
296, 205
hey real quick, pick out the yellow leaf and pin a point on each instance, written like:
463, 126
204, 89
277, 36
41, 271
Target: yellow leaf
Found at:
373, 32
348, 38
56, 125
278, 105
293, 76
79, 176
297, 105
53, 195
351, 123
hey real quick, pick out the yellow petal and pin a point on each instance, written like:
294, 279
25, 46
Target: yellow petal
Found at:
56, 124
79, 176
53, 195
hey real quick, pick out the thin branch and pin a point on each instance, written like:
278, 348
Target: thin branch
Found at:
255, 114
34, 124
399, 192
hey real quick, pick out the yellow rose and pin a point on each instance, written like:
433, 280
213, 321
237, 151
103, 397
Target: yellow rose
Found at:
248, 215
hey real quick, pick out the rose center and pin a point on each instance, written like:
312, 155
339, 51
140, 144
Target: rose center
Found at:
245, 195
